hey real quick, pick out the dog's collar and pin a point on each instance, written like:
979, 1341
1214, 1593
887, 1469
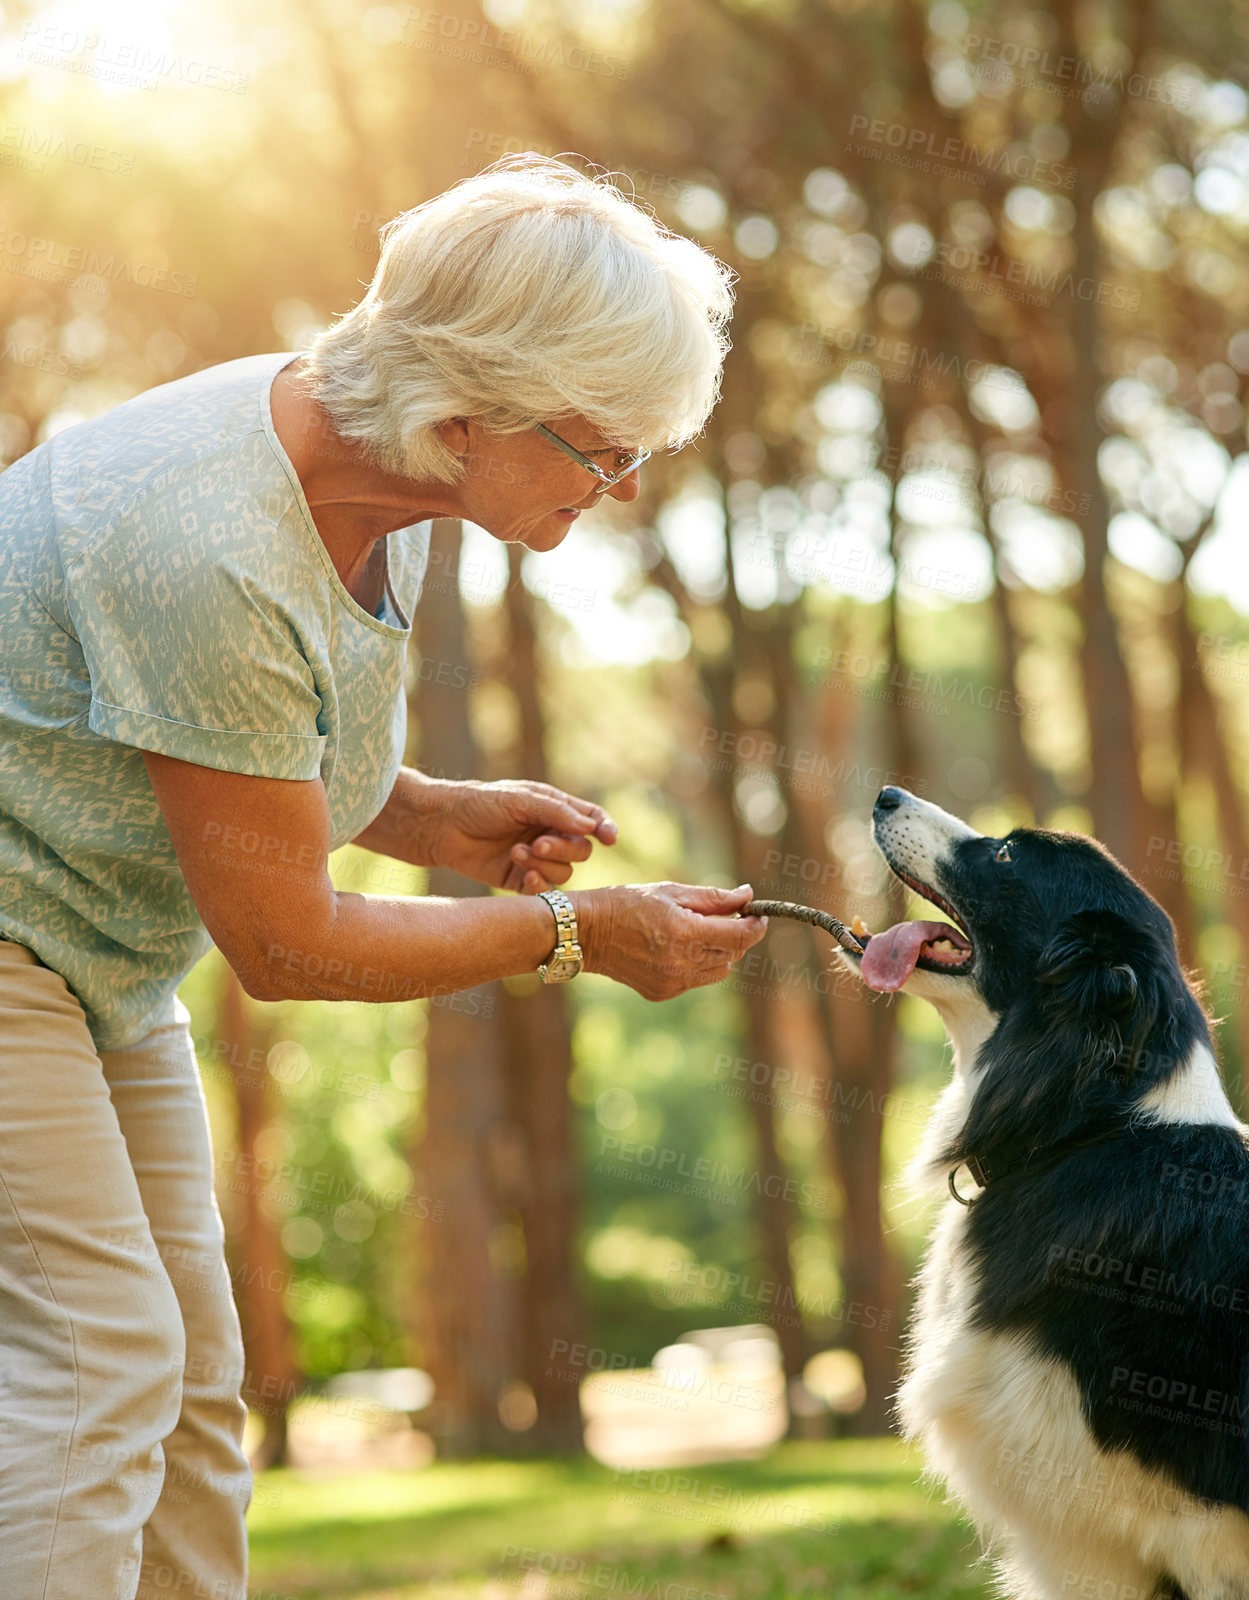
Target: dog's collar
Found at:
1014, 1160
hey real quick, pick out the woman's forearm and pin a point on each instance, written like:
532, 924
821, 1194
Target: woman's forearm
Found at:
387, 949
288, 933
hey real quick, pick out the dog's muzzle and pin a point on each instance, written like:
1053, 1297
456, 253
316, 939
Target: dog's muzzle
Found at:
914, 837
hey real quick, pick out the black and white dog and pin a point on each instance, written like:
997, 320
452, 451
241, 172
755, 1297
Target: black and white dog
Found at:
1078, 1366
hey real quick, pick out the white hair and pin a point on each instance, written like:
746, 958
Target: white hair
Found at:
528, 292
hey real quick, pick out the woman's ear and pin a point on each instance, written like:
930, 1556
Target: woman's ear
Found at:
1099, 979
454, 434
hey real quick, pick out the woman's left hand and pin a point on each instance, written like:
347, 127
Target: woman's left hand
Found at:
515, 835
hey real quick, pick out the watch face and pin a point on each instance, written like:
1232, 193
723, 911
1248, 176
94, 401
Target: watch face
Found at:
558, 971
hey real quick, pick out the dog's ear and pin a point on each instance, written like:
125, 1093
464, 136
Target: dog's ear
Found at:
1098, 975
1088, 965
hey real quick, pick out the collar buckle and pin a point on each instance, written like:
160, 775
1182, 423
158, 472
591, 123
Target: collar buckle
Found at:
979, 1170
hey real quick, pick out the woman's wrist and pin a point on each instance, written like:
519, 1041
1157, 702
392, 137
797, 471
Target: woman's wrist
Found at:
592, 909
409, 825
425, 807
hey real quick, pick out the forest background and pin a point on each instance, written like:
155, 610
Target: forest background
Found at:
968, 518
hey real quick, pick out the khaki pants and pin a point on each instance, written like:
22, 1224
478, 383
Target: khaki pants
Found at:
121, 1468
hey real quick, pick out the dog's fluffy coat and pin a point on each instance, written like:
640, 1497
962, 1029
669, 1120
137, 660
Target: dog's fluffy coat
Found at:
1078, 1364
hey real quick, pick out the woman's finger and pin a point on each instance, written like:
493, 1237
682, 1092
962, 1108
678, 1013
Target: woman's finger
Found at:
553, 847
535, 878
552, 808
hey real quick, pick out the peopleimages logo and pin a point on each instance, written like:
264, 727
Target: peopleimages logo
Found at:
111, 59
895, 353
36, 148
764, 753
1031, 67
917, 144
717, 1174
469, 39
989, 269
37, 257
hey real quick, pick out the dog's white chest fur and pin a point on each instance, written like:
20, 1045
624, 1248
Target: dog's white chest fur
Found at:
1003, 1425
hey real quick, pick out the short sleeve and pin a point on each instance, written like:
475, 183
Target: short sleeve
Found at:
196, 659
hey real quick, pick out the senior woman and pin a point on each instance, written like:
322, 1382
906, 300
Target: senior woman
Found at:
205, 604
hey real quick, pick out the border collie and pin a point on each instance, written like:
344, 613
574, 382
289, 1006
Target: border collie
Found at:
1078, 1365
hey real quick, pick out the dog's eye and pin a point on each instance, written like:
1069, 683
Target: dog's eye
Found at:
1002, 853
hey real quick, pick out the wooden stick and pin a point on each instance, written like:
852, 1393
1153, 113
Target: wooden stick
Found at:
818, 919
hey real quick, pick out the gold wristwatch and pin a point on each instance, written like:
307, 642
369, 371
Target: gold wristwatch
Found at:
564, 961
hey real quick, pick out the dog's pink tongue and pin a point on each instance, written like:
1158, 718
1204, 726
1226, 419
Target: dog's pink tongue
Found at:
890, 957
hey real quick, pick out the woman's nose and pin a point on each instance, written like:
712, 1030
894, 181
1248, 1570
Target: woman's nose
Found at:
628, 488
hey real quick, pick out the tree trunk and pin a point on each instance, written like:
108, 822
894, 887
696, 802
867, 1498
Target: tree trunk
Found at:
860, 1031
746, 849
1205, 751
1118, 809
273, 1378
539, 1065
760, 651
467, 1317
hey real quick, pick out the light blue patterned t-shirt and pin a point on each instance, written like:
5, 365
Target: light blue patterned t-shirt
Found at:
163, 587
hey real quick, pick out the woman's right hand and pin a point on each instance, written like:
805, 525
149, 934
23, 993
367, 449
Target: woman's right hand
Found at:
664, 938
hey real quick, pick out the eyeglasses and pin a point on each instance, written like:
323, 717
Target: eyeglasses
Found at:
606, 479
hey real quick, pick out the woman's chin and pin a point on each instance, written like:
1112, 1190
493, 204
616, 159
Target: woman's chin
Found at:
530, 536
543, 536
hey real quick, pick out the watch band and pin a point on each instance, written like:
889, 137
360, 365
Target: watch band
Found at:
564, 961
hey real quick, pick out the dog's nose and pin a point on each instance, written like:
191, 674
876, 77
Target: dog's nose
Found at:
889, 799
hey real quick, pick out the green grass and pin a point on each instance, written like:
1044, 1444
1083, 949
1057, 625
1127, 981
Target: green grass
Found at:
842, 1519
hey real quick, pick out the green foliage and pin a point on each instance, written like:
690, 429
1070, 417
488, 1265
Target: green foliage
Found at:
656, 1129
670, 1168
345, 1099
